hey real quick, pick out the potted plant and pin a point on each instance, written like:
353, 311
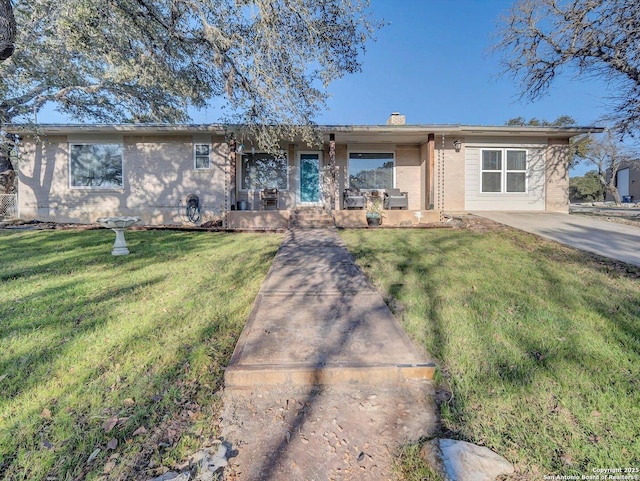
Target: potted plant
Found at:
374, 209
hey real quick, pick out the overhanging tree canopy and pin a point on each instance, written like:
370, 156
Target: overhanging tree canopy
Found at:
141, 60
149, 60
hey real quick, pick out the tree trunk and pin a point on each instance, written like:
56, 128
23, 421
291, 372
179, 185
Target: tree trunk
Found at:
613, 190
611, 186
7, 182
7, 172
7, 30
7, 46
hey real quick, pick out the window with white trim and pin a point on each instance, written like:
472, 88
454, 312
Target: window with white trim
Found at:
371, 170
516, 171
95, 166
264, 171
202, 156
498, 176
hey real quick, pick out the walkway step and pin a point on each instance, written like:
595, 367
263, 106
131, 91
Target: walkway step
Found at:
310, 217
243, 377
321, 329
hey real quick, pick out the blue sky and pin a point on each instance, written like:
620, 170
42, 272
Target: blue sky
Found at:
432, 63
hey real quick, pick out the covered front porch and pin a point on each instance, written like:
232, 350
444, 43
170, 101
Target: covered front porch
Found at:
350, 173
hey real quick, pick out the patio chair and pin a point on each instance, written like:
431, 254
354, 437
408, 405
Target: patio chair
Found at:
353, 198
268, 197
394, 199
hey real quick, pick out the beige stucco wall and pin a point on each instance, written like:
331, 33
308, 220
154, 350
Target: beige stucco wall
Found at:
557, 176
42, 173
158, 174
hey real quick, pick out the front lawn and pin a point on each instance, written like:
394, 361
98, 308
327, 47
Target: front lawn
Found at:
114, 364
538, 345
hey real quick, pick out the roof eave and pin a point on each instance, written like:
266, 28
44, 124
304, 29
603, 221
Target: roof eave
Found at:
218, 129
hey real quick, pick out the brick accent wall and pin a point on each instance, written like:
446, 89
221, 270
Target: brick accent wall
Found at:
454, 187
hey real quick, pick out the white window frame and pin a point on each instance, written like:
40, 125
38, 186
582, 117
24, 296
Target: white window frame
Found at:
516, 171
96, 187
241, 188
504, 171
196, 155
391, 152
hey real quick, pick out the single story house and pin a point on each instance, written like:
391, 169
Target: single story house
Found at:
78, 173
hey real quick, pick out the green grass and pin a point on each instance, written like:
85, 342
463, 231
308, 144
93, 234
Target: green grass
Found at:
411, 465
538, 345
86, 336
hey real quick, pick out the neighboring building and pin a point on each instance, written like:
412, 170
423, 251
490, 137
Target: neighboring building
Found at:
627, 182
77, 173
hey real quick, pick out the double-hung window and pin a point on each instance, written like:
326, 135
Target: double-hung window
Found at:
202, 156
371, 170
504, 171
264, 171
95, 166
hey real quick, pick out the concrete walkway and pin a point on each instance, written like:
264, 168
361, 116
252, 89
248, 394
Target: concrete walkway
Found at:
323, 383
609, 239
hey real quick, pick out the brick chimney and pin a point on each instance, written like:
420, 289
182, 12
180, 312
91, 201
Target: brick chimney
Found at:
396, 119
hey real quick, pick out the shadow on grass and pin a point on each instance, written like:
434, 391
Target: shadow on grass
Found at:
529, 335
82, 331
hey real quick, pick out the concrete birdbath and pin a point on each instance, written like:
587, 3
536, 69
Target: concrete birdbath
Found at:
118, 225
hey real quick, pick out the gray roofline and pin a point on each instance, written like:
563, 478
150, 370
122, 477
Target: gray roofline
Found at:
463, 129
220, 129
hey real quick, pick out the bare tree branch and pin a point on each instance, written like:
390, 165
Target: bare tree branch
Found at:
541, 39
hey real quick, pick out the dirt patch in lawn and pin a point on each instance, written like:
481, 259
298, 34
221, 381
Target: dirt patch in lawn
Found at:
475, 223
344, 432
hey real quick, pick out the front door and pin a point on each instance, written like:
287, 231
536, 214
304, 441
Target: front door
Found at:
310, 178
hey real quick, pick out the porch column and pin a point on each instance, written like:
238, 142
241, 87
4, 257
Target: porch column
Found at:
430, 163
424, 162
333, 204
232, 174
293, 195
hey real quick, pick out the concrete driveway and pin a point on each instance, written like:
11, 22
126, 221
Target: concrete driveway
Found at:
609, 239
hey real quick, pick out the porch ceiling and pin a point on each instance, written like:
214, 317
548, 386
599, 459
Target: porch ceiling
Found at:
417, 134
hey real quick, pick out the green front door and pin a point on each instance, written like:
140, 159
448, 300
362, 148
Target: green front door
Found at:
310, 178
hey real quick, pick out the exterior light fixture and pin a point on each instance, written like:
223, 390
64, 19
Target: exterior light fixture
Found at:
457, 145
